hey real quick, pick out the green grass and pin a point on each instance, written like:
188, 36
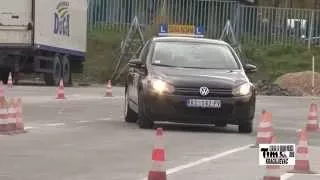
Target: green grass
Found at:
272, 61
103, 50
276, 60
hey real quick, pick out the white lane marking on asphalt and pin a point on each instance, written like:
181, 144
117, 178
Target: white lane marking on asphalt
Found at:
28, 127
104, 119
287, 176
55, 124
206, 159
83, 121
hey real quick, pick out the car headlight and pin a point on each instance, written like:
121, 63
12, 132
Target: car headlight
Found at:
242, 90
160, 86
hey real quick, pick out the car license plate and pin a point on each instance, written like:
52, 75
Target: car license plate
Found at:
204, 103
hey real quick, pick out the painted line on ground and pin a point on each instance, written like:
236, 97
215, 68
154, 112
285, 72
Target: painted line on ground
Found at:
105, 119
287, 176
29, 127
55, 124
83, 121
206, 159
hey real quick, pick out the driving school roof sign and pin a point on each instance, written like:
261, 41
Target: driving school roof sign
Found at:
180, 30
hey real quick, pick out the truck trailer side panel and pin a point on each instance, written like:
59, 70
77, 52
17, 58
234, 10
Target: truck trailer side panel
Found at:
15, 23
61, 26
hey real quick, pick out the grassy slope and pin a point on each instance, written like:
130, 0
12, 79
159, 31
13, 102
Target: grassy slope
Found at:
277, 60
273, 61
103, 49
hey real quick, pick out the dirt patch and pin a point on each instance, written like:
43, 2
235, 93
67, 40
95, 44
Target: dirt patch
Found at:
268, 88
300, 81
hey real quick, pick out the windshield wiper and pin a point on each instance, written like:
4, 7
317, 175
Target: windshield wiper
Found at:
197, 67
164, 65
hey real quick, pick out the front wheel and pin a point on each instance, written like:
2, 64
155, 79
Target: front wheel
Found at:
245, 128
143, 120
129, 114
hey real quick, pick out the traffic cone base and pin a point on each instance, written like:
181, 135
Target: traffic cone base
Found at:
156, 175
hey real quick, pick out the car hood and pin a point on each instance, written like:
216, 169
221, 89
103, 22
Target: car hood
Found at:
189, 77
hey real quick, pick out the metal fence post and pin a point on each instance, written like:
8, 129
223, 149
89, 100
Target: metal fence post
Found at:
311, 30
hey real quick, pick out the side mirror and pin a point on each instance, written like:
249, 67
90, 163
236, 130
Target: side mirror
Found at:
135, 63
249, 68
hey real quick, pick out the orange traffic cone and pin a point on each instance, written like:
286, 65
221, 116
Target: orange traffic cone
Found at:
265, 129
10, 82
302, 164
1, 91
3, 117
19, 118
272, 171
158, 171
109, 89
313, 121
11, 117
60, 94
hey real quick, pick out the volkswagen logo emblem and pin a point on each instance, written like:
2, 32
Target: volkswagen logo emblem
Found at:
204, 91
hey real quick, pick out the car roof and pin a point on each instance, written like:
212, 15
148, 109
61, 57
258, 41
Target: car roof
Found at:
189, 39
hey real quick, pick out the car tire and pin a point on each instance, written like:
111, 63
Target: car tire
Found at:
245, 128
143, 121
129, 115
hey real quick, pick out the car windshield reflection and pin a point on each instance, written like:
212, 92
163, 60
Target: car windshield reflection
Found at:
194, 55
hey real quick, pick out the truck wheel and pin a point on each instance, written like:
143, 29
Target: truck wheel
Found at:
66, 74
54, 77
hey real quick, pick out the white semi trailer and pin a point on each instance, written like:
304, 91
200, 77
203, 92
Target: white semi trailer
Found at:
48, 37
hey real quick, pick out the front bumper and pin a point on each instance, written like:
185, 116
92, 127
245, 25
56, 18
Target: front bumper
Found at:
172, 108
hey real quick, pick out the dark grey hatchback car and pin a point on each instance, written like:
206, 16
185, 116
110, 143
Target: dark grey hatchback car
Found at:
189, 80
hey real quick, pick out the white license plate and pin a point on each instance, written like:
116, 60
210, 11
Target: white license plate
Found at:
204, 103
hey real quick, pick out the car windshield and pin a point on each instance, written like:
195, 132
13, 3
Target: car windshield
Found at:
194, 55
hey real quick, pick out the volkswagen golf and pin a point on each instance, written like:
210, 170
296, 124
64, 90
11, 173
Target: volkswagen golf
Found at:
192, 81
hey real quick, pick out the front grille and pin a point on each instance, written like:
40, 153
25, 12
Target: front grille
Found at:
196, 92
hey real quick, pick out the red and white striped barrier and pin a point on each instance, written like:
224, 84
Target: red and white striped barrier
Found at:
11, 121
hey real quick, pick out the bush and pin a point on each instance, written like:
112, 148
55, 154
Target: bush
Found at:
277, 59
103, 52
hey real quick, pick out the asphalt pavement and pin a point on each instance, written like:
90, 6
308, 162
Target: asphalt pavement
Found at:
85, 138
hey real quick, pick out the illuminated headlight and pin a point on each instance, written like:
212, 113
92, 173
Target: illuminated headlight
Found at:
242, 90
161, 86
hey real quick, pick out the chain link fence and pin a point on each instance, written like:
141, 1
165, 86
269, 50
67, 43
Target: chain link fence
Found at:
260, 26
